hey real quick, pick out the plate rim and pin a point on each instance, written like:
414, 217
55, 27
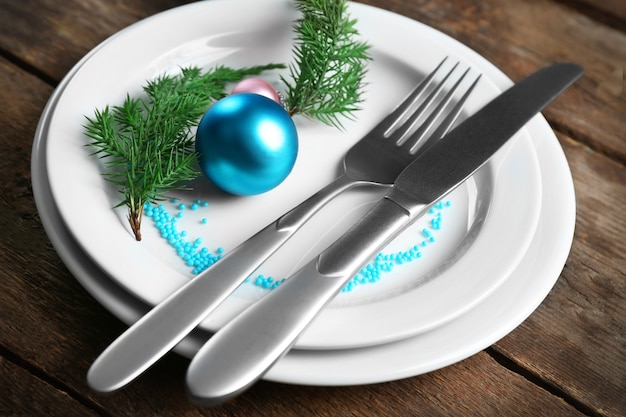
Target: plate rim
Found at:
307, 341
291, 369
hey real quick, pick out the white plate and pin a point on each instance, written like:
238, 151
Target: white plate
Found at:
413, 298
495, 317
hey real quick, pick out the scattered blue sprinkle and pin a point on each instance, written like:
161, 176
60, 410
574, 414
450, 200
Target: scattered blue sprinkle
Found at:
200, 258
194, 256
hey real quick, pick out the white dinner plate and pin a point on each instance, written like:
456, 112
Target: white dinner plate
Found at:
477, 329
470, 258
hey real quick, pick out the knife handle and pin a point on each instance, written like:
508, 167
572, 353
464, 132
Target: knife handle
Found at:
156, 333
244, 349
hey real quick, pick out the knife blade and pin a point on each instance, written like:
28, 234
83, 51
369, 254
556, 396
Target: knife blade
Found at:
245, 348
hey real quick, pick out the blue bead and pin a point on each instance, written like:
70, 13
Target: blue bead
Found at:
247, 144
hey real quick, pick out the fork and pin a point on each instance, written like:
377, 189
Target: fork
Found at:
377, 158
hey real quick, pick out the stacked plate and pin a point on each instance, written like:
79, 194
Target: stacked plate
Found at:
483, 264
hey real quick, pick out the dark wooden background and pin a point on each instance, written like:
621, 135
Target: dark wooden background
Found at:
568, 358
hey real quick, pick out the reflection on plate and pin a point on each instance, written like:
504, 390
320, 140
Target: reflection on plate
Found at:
506, 194
499, 314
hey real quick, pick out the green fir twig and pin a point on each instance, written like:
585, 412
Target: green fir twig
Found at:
146, 143
326, 79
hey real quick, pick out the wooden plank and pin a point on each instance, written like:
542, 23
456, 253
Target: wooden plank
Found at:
54, 38
25, 395
576, 340
610, 12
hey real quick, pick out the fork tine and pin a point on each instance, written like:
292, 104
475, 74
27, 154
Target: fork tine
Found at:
414, 141
418, 133
390, 122
409, 121
447, 123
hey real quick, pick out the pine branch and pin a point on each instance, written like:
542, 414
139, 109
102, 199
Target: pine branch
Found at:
326, 79
146, 143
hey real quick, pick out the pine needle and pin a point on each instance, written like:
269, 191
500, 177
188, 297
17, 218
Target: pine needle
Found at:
327, 76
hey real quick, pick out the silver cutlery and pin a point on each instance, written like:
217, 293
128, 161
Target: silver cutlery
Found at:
245, 348
421, 119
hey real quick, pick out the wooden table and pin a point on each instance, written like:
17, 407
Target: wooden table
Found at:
568, 358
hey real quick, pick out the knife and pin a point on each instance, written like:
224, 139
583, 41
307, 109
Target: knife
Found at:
245, 348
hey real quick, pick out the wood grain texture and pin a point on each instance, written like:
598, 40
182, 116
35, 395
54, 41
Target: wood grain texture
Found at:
608, 12
51, 36
581, 353
567, 359
23, 394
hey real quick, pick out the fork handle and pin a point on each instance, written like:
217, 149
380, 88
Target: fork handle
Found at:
156, 333
244, 349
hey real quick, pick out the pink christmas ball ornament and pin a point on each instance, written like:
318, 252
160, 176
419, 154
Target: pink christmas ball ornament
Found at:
257, 86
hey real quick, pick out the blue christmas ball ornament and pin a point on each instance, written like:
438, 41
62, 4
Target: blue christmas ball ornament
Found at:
247, 144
